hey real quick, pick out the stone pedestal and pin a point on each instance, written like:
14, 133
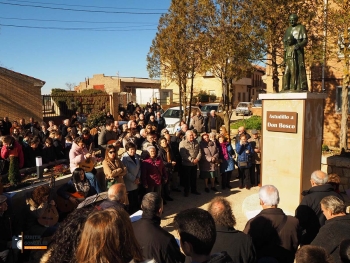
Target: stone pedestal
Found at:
292, 132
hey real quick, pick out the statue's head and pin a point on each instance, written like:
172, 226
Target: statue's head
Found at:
293, 19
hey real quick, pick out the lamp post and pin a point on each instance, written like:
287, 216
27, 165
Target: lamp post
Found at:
39, 167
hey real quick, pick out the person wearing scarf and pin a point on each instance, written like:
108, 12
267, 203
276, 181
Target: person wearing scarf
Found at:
227, 165
78, 184
208, 162
244, 151
113, 167
153, 172
168, 158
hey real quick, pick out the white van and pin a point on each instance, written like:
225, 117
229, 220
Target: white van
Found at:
172, 117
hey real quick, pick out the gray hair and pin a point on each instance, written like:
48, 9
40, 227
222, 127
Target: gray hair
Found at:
212, 135
129, 123
269, 195
151, 203
333, 204
188, 132
150, 147
142, 132
319, 177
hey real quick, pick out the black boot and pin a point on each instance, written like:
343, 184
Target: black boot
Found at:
228, 179
223, 180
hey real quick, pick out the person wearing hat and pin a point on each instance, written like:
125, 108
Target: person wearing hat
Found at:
255, 142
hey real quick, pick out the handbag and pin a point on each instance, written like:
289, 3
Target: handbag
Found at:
242, 164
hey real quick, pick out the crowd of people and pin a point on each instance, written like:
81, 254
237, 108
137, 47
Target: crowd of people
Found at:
142, 165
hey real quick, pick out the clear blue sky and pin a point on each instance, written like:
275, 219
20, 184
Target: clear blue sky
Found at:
60, 55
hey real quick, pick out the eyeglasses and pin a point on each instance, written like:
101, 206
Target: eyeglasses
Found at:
165, 132
111, 152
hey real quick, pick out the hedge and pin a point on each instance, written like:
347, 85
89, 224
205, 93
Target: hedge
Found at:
254, 122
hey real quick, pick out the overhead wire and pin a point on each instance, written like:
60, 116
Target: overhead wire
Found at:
79, 28
83, 10
73, 21
104, 7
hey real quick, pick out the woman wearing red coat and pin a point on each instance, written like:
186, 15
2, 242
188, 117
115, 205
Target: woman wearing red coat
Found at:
153, 172
12, 148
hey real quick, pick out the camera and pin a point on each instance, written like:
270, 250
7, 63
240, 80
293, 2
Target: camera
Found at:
17, 242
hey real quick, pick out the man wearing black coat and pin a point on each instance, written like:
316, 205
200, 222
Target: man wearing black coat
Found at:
309, 211
238, 245
161, 122
336, 228
58, 146
152, 121
274, 234
156, 243
148, 114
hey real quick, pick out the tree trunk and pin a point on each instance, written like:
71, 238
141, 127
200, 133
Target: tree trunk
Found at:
345, 103
274, 70
191, 96
180, 95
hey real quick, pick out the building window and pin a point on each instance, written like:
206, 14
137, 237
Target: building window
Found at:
243, 96
338, 102
208, 73
239, 96
166, 94
253, 91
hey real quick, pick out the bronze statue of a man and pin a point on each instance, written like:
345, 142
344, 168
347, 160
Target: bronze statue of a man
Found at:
294, 40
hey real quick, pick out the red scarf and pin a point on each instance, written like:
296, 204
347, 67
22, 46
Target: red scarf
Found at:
224, 150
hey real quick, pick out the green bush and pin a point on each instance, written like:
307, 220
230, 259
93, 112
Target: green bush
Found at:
203, 96
96, 119
325, 148
14, 174
253, 122
88, 101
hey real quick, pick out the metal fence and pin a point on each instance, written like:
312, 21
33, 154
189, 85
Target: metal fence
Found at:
67, 105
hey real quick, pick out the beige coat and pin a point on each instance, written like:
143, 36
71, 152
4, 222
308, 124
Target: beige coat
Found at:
117, 173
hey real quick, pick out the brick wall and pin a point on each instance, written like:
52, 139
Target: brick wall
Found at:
19, 98
340, 166
332, 118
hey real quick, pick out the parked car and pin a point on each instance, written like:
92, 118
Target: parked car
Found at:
172, 117
244, 108
258, 103
207, 108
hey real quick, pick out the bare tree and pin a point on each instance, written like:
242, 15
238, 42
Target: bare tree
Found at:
70, 86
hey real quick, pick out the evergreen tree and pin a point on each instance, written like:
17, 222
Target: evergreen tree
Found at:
14, 174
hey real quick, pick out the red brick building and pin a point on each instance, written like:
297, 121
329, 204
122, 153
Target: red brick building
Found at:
20, 96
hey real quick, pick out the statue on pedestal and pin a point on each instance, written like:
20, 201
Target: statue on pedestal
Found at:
294, 40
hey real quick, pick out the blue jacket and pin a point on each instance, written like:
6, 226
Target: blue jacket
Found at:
242, 155
134, 171
227, 165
